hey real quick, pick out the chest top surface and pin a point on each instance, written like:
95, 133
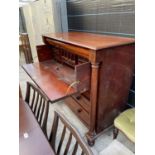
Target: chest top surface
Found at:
89, 40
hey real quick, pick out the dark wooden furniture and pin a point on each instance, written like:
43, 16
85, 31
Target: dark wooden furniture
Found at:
39, 105
94, 70
79, 142
32, 140
24, 46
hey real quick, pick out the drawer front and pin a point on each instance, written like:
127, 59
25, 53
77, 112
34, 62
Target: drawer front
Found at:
78, 110
83, 101
73, 49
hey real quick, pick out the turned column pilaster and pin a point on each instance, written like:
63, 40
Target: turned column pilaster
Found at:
93, 100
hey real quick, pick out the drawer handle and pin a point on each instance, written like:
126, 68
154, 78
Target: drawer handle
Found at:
79, 110
78, 97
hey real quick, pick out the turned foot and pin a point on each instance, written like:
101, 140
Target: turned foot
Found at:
90, 138
91, 142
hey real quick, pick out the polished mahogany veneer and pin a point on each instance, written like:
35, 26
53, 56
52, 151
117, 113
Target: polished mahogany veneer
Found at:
102, 81
52, 85
89, 40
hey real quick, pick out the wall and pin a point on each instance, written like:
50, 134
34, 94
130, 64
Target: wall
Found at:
41, 17
22, 26
30, 29
112, 17
102, 16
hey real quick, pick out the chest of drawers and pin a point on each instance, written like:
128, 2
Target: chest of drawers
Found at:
92, 73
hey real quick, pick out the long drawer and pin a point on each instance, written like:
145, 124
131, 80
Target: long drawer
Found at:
73, 49
83, 101
78, 110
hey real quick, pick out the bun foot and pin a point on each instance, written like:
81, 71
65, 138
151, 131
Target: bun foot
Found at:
91, 142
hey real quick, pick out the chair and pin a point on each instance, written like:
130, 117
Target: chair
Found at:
125, 122
38, 104
25, 47
73, 136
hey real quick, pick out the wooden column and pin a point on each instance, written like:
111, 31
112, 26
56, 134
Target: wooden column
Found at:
93, 99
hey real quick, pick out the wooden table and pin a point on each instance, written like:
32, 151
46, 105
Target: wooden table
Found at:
31, 138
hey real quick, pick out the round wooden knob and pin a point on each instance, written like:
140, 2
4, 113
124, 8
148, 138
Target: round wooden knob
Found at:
78, 97
79, 110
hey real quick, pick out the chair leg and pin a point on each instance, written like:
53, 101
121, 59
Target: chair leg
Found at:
115, 133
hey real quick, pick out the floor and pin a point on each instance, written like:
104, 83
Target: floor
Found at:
101, 142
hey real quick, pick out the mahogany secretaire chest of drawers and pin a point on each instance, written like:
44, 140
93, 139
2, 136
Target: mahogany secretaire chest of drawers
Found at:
92, 73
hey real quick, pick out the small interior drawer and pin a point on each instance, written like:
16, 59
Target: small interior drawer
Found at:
78, 110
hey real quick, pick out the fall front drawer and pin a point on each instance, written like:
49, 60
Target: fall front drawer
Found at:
57, 80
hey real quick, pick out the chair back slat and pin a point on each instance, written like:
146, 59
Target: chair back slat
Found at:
36, 106
61, 141
75, 148
44, 118
79, 144
68, 144
39, 105
41, 113
53, 133
38, 110
33, 97
27, 96
35, 101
